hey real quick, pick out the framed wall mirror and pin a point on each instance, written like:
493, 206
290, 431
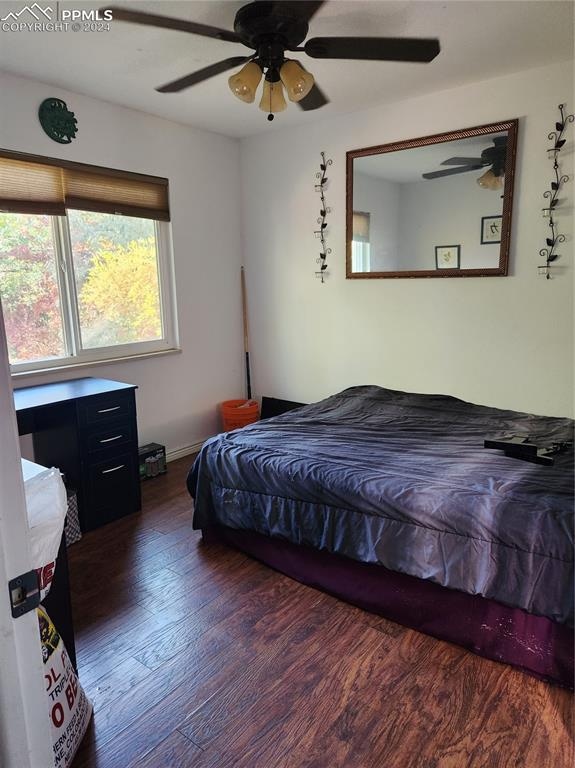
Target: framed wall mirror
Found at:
437, 206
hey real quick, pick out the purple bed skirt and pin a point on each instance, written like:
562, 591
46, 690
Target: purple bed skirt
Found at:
534, 644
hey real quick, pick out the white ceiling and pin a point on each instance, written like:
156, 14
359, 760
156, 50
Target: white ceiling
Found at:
479, 40
405, 166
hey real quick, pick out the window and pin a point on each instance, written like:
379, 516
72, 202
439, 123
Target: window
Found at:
360, 245
86, 283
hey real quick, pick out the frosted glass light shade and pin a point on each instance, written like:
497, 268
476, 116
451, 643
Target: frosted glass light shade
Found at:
273, 97
298, 83
490, 181
245, 82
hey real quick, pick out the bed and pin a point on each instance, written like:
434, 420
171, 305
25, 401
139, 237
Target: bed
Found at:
389, 500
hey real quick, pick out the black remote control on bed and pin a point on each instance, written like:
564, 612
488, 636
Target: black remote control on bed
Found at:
520, 447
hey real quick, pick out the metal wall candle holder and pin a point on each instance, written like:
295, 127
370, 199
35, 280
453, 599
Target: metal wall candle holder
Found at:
549, 253
321, 233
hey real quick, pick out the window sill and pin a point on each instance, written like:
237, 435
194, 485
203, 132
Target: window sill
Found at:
89, 363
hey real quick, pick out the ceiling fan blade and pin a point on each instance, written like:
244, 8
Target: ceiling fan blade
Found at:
314, 100
373, 48
304, 9
202, 74
167, 22
463, 161
451, 171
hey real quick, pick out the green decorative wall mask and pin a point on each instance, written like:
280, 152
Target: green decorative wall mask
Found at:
57, 120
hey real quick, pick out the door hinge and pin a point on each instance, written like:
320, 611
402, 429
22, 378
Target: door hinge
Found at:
24, 593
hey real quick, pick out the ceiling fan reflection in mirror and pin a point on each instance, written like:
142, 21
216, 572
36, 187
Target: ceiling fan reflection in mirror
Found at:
493, 156
270, 28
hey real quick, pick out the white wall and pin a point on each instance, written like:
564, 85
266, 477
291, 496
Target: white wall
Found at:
447, 211
502, 341
177, 394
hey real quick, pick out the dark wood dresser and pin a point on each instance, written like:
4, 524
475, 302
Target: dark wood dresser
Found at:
88, 429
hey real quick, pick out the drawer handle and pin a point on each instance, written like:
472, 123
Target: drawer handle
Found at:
114, 469
107, 410
109, 439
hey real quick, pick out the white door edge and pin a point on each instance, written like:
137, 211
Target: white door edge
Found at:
25, 731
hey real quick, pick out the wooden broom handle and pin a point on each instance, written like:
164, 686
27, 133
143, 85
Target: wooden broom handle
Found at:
246, 337
245, 311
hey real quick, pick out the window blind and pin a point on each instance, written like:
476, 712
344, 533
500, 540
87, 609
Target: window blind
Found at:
31, 188
360, 226
32, 184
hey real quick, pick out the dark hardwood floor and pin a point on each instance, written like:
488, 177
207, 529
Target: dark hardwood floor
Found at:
197, 656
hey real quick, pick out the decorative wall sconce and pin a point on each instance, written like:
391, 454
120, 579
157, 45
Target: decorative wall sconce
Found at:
321, 233
549, 253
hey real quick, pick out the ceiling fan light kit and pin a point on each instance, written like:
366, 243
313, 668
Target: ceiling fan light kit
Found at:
489, 180
494, 157
298, 83
270, 28
273, 97
244, 83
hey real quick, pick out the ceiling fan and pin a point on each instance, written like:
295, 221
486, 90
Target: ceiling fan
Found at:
492, 156
270, 28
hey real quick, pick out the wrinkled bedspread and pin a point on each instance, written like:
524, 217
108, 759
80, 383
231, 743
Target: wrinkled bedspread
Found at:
403, 480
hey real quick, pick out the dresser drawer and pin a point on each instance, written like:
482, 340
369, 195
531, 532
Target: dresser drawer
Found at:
104, 408
112, 489
111, 438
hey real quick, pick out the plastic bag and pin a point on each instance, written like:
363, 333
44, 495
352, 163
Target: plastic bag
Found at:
46, 505
70, 710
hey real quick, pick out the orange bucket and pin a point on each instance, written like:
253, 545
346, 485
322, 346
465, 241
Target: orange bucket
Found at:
239, 413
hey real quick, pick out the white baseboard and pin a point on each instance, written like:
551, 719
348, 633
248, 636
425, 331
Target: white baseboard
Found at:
179, 453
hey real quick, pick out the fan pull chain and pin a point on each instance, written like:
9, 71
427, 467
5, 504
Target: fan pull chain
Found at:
270, 116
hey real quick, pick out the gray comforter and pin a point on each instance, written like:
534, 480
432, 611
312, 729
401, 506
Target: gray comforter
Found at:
403, 480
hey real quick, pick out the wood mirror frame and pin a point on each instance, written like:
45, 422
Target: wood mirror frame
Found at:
508, 126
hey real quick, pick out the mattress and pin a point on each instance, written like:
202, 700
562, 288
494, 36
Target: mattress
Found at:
402, 480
